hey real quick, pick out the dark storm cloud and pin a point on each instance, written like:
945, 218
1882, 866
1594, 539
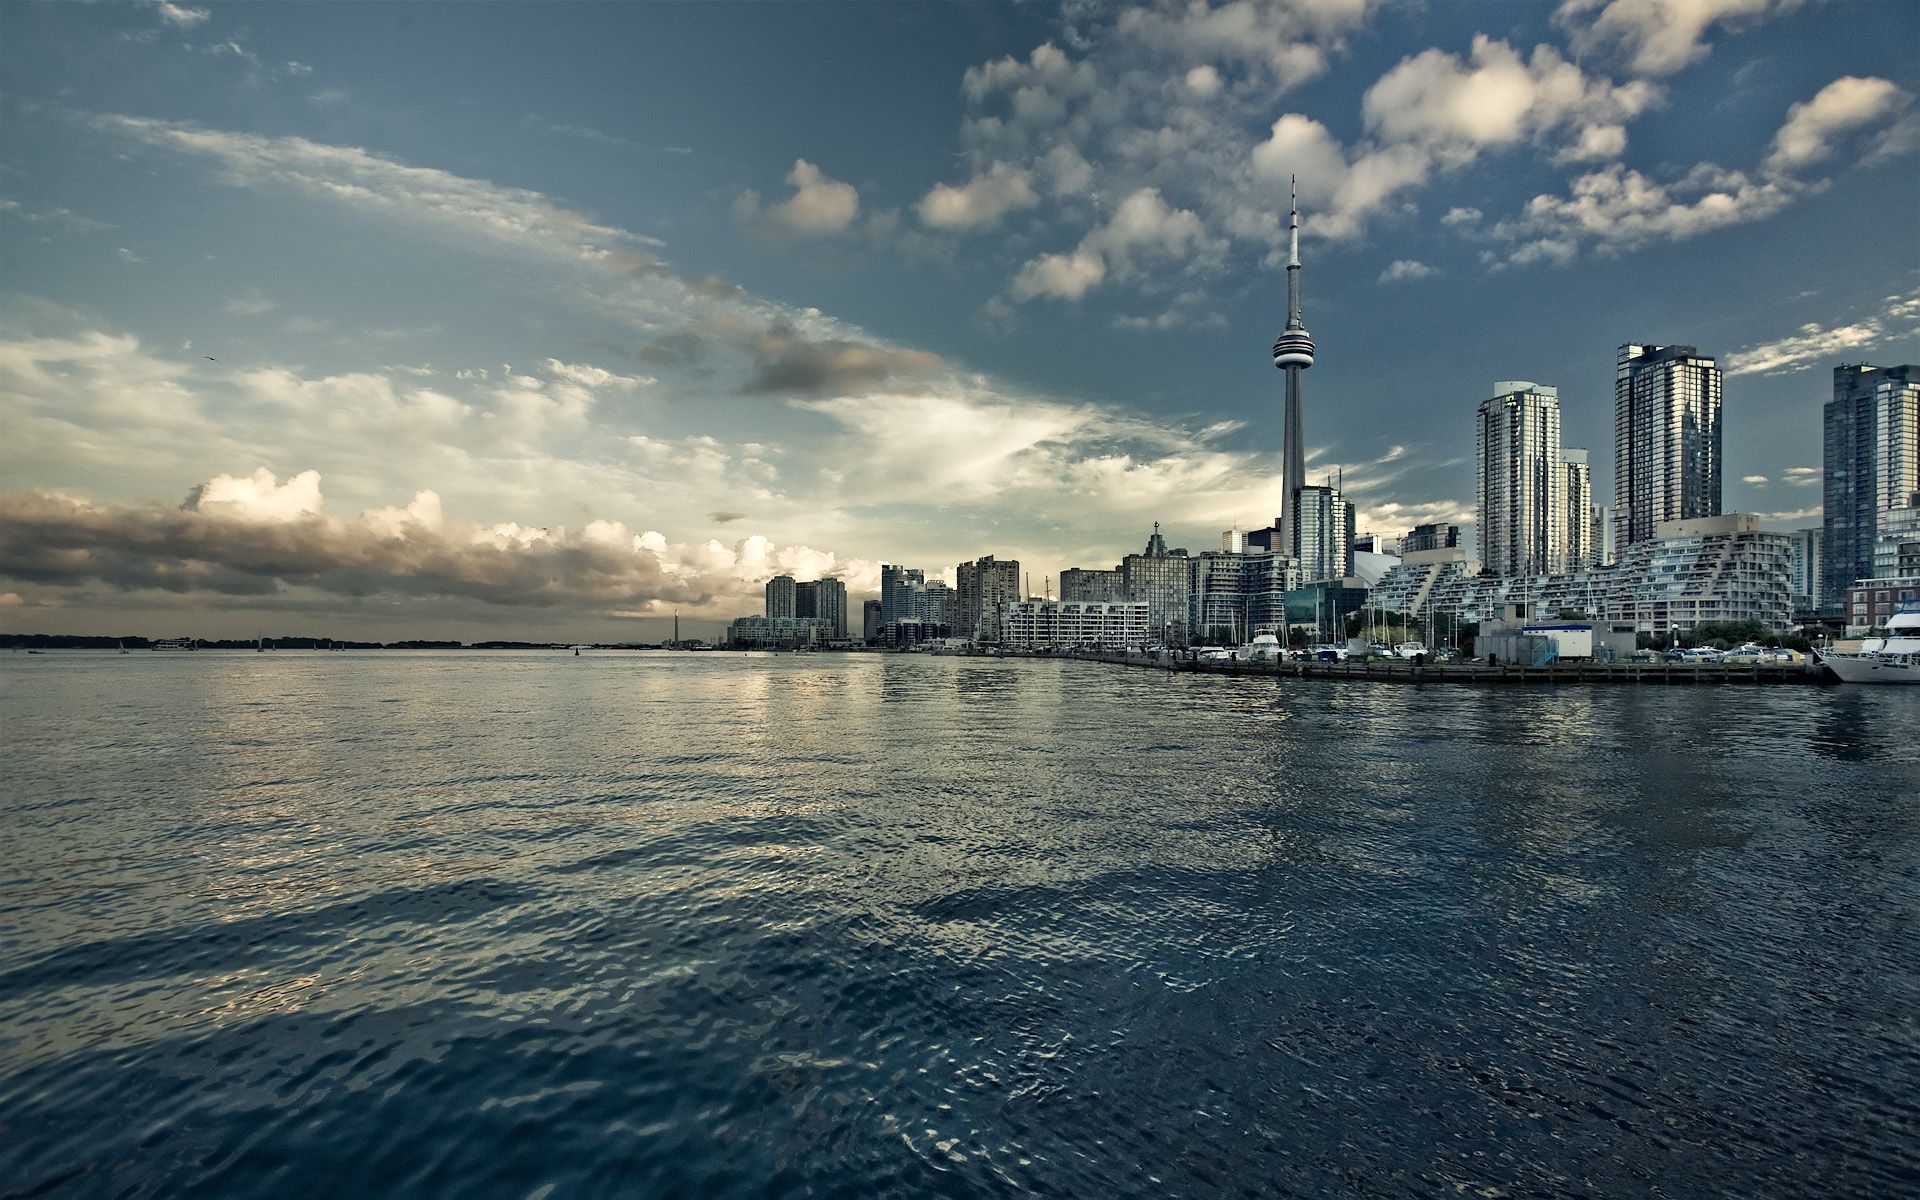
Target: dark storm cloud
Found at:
61, 541
784, 361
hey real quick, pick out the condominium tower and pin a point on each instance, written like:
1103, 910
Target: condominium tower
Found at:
782, 597
1871, 467
1521, 480
1666, 439
1577, 504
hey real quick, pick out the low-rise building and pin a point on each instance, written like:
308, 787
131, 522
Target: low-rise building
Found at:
1076, 625
779, 633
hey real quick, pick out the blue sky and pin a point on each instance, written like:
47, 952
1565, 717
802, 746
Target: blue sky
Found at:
550, 320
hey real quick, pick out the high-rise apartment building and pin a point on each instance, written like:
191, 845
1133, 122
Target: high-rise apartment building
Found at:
898, 586
1161, 578
1323, 533
1599, 537
1870, 467
1666, 439
826, 599
782, 597
1521, 480
870, 621
1803, 572
987, 586
1577, 504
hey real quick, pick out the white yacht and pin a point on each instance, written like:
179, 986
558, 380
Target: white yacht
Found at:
1263, 648
1891, 659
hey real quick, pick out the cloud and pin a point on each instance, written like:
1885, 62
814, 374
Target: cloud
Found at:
1402, 270
787, 363
1802, 476
1143, 230
594, 377
980, 202
1618, 208
1657, 37
819, 205
65, 218
250, 536
180, 15
253, 304
1812, 128
128, 256
1812, 342
1756, 480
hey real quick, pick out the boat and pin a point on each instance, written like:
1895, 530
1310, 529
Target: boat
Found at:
175, 644
1891, 659
1410, 649
1264, 647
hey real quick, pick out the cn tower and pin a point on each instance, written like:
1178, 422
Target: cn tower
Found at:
1292, 353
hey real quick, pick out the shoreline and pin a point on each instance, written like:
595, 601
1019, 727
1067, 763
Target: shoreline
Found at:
1402, 671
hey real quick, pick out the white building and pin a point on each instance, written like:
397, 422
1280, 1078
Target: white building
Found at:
1577, 503
1521, 480
1076, 625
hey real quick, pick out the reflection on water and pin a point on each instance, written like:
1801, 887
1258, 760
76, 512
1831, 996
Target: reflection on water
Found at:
708, 924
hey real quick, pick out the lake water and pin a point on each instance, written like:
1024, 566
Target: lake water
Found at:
472, 924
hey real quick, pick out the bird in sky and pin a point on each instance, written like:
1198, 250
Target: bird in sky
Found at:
209, 358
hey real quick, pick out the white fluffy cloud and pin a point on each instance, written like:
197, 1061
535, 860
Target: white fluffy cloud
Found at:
1813, 128
1143, 230
981, 201
1405, 269
819, 205
1656, 37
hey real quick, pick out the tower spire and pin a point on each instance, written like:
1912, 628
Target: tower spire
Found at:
1292, 353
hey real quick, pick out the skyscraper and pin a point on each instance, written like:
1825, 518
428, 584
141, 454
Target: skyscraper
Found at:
1521, 480
826, 599
1292, 353
1870, 467
1577, 505
898, 588
987, 585
1322, 533
1666, 439
782, 597
1161, 578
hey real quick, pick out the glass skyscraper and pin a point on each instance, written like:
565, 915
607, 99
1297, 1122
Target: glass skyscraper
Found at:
1666, 439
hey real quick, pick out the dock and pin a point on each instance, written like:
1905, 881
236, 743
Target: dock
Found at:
1404, 671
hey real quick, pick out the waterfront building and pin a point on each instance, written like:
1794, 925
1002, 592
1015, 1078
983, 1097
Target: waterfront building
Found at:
1101, 586
1430, 537
910, 632
1076, 625
1321, 607
1266, 577
1722, 568
1803, 571
898, 586
782, 597
1323, 532
1896, 550
823, 598
1521, 480
1232, 540
1577, 503
778, 633
1599, 537
1217, 607
1870, 466
986, 586
1666, 439
1373, 543
1159, 577
1871, 603
939, 604
870, 621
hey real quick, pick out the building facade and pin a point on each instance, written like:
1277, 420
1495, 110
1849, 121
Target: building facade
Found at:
823, 598
986, 586
1600, 536
777, 633
782, 597
1323, 532
870, 621
898, 592
1159, 577
1096, 585
1521, 480
1803, 570
1870, 459
1666, 439
1430, 537
1577, 503
1076, 625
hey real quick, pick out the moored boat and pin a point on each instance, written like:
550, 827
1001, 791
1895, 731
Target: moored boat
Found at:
1892, 659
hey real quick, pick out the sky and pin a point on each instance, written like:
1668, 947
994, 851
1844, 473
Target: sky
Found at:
549, 321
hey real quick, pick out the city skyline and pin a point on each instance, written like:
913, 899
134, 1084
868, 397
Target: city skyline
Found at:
569, 357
